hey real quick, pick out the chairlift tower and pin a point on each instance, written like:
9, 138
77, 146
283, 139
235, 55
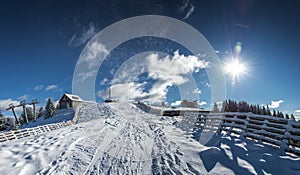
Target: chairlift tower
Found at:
12, 107
33, 103
23, 103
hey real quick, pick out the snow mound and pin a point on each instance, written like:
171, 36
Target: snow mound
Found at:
62, 115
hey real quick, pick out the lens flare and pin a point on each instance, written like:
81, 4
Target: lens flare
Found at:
235, 68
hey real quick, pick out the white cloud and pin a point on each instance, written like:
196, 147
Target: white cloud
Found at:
297, 111
124, 92
51, 87
176, 103
207, 84
38, 87
94, 54
84, 37
159, 90
178, 64
187, 8
4, 104
169, 71
23, 97
104, 81
85, 75
202, 103
190, 11
166, 71
197, 91
275, 104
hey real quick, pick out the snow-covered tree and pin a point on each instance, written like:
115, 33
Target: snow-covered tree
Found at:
268, 111
293, 117
287, 116
40, 113
2, 122
216, 108
50, 108
29, 113
263, 111
274, 113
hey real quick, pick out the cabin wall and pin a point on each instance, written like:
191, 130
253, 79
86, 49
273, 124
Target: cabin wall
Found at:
66, 104
76, 103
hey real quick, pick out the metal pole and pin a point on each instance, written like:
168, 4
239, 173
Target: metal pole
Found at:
25, 113
23, 103
109, 92
34, 114
13, 110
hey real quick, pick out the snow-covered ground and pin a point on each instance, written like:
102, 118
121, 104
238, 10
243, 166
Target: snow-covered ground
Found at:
118, 138
61, 115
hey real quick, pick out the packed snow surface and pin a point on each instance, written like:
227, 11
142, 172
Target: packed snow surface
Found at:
61, 115
118, 138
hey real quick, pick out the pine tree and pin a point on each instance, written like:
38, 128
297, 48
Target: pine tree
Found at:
292, 117
268, 111
274, 113
2, 122
226, 106
264, 111
29, 113
257, 109
216, 109
223, 107
254, 109
280, 114
287, 116
50, 109
251, 108
40, 113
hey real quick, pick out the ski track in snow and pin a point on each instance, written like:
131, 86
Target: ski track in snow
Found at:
118, 138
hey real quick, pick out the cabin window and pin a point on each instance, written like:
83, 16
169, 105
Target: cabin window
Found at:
74, 97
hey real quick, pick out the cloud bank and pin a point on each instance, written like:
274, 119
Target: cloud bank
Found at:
4, 104
164, 71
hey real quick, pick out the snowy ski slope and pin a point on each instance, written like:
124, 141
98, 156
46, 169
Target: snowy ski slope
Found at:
118, 138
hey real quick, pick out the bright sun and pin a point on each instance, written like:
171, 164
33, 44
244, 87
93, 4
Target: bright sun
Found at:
235, 68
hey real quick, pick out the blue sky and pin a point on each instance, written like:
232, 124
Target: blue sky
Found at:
42, 41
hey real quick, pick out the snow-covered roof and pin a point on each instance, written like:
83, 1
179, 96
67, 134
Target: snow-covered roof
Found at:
73, 97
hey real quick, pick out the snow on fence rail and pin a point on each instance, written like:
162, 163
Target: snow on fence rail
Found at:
279, 132
21, 133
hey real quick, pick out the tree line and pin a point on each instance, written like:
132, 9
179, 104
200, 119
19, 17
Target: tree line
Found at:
242, 106
47, 112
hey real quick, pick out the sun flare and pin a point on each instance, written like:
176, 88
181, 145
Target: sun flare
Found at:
235, 68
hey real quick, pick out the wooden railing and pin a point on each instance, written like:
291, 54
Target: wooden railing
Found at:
21, 133
278, 132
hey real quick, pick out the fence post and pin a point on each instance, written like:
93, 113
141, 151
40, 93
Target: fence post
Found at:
245, 127
285, 139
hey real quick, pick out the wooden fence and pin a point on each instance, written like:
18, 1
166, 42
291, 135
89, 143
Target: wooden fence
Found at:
279, 132
21, 133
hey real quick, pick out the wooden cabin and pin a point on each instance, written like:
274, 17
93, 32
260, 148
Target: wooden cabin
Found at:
70, 101
190, 104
